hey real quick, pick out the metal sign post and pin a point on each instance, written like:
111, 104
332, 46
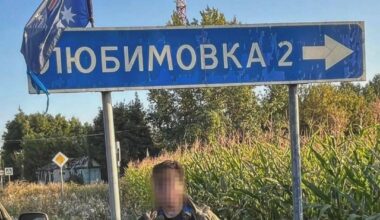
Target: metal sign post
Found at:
295, 152
109, 132
61, 182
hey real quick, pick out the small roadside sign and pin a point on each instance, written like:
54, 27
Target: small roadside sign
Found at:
1, 172
60, 159
8, 171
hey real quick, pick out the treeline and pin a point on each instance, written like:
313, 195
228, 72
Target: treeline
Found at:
31, 141
180, 117
183, 116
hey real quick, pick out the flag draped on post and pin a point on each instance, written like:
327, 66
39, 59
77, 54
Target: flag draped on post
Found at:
43, 30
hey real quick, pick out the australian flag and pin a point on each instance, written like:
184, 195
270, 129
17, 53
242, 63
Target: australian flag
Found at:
45, 27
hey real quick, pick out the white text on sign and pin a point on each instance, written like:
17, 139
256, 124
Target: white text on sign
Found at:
206, 56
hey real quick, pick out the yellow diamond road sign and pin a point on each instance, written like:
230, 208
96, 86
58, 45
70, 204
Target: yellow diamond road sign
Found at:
60, 159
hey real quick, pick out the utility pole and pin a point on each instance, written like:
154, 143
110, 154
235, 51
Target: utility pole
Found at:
181, 11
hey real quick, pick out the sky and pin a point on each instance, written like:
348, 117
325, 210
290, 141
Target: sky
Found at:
131, 13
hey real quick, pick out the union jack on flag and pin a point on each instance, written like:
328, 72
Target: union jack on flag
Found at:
53, 4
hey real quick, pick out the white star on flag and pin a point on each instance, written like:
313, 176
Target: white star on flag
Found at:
67, 15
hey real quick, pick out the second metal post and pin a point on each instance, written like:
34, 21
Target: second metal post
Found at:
61, 182
109, 133
295, 151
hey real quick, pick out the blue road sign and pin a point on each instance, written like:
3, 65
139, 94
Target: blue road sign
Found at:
110, 59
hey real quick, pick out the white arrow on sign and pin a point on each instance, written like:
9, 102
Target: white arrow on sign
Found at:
333, 52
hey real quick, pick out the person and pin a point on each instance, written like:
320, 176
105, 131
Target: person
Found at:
171, 200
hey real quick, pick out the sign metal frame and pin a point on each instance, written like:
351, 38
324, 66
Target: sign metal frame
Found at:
361, 24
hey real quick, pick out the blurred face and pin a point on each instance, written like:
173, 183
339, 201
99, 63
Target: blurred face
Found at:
168, 190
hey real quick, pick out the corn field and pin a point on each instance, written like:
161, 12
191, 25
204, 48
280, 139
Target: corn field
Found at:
238, 179
252, 179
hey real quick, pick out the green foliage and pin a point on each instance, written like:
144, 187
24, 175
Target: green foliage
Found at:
212, 16
274, 110
175, 20
186, 115
248, 179
252, 179
334, 109
345, 181
34, 139
131, 130
162, 117
374, 85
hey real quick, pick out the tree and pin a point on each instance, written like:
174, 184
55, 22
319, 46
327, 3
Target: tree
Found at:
334, 109
374, 85
15, 131
183, 116
34, 139
372, 90
274, 110
163, 116
131, 130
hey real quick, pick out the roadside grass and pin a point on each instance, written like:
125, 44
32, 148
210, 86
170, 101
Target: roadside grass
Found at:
78, 202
